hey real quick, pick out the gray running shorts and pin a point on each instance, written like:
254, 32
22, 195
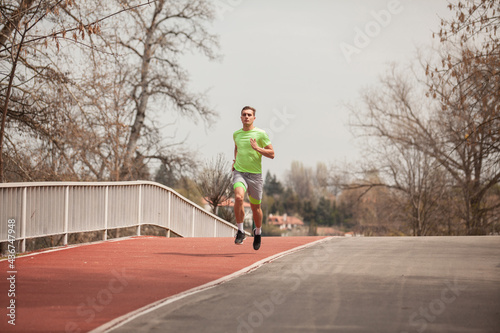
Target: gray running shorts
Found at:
253, 184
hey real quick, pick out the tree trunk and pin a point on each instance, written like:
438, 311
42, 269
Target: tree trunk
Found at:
6, 107
13, 21
142, 100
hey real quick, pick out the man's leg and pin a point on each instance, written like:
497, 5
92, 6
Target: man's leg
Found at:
257, 218
257, 215
255, 185
239, 212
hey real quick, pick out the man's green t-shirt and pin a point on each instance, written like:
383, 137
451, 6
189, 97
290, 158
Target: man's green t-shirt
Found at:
247, 159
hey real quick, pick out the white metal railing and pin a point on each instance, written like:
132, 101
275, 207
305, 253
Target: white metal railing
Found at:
30, 210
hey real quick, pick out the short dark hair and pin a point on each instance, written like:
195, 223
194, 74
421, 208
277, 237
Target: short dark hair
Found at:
248, 108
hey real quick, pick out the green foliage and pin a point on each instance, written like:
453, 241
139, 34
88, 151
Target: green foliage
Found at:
291, 202
313, 227
322, 211
272, 186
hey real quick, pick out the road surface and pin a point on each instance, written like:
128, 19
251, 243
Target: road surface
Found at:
396, 284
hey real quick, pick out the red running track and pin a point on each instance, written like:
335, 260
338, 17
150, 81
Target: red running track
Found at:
77, 289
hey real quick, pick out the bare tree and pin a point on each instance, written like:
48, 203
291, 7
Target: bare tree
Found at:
18, 19
388, 122
398, 116
151, 47
79, 100
300, 180
40, 99
215, 181
472, 43
323, 187
466, 82
439, 147
371, 205
419, 185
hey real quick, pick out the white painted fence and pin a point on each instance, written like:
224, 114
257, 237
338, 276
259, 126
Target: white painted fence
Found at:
61, 208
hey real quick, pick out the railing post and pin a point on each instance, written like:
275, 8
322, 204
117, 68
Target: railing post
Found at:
169, 212
23, 221
139, 214
66, 215
106, 196
192, 228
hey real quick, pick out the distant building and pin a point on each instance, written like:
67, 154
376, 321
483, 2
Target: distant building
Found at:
284, 222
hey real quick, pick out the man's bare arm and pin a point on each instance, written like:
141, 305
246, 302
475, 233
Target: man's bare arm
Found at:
267, 151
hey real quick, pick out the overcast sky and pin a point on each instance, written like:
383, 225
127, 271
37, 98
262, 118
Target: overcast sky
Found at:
298, 62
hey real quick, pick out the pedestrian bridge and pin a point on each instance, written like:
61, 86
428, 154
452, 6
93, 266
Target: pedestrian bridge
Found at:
31, 210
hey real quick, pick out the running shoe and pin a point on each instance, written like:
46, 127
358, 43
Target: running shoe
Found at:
240, 237
256, 241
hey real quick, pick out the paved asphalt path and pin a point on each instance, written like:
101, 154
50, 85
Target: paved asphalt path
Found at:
77, 289
399, 284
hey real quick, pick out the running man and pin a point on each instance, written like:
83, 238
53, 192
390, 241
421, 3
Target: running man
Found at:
250, 144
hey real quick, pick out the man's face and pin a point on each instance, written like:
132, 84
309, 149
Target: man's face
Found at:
247, 117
